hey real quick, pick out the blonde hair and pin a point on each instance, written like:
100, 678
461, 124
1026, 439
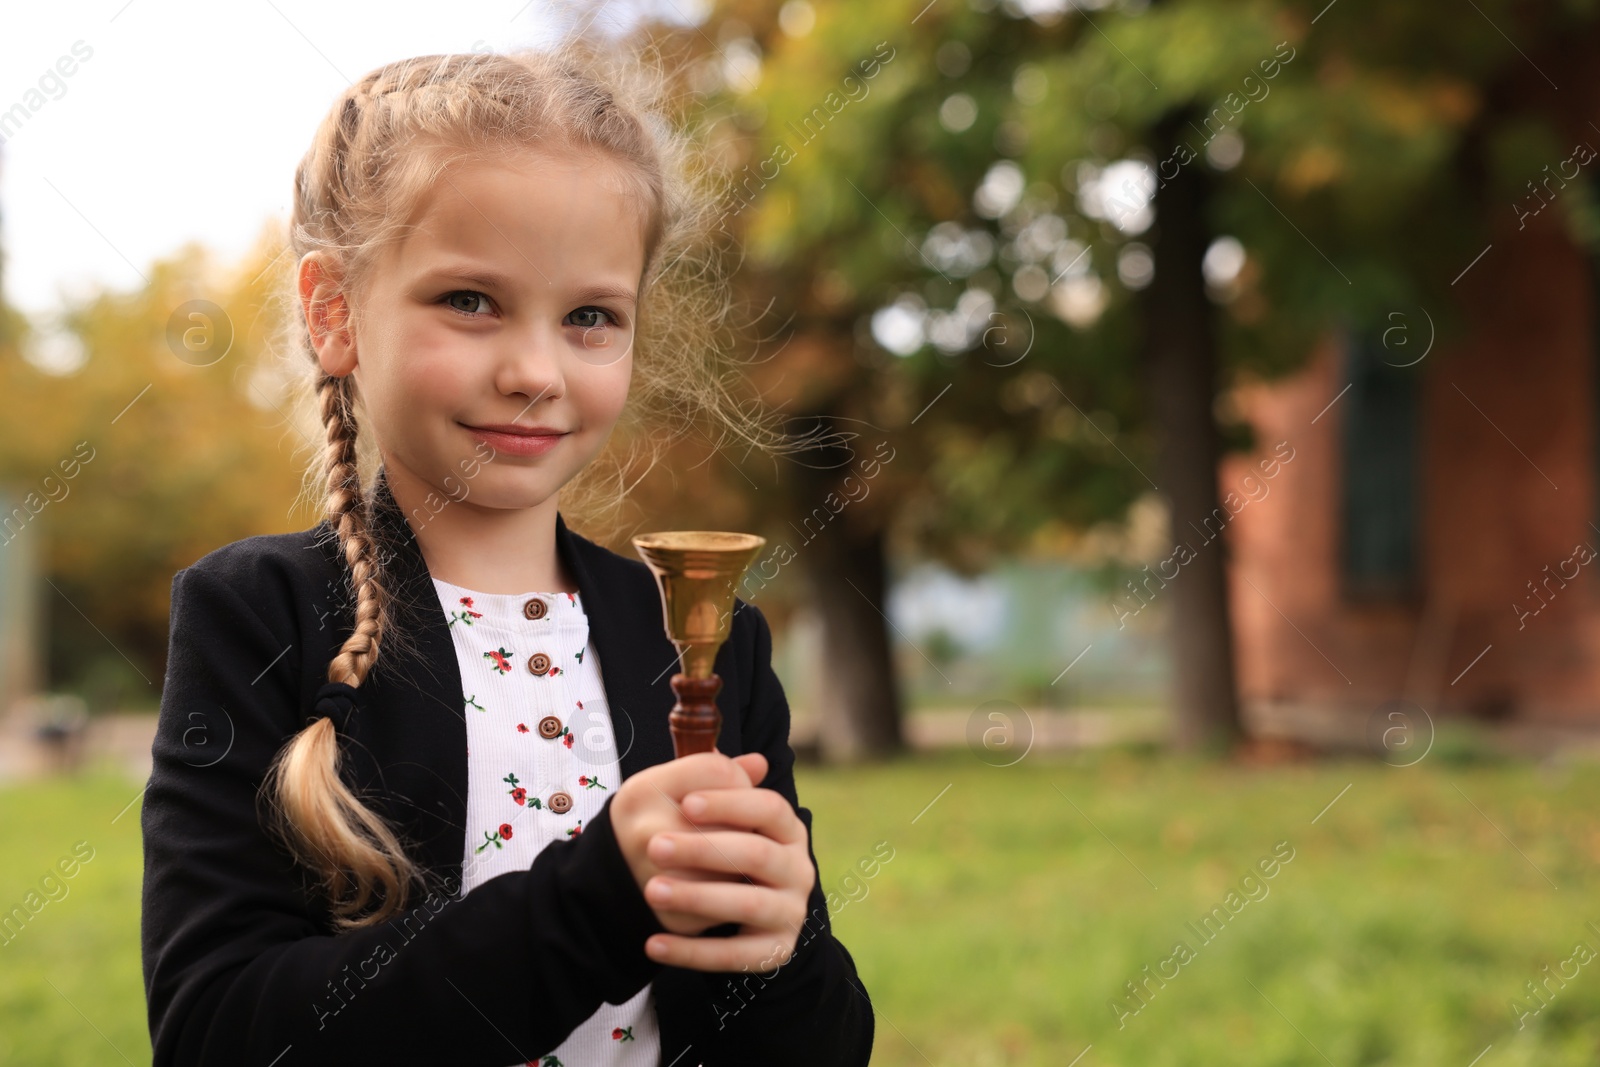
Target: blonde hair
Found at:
379, 151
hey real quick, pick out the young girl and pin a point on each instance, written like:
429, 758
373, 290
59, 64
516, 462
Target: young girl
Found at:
413, 797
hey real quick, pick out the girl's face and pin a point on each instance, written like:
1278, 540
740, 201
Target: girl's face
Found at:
510, 306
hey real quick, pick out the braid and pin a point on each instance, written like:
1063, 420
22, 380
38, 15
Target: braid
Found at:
347, 514
324, 824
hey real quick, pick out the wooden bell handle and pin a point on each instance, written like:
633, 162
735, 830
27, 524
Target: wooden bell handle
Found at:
695, 720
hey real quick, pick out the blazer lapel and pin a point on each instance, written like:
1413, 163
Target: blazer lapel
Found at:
637, 660
417, 731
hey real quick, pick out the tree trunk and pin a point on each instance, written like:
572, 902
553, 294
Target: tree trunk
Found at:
859, 716
844, 555
1180, 360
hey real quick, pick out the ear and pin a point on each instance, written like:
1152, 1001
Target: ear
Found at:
327, 314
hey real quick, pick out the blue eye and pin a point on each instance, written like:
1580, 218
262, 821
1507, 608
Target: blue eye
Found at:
462, 300
588, 310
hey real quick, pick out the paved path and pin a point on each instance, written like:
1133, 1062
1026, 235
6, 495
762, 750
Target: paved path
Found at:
123, 741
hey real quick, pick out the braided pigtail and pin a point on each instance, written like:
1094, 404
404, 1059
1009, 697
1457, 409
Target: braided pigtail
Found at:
323, 823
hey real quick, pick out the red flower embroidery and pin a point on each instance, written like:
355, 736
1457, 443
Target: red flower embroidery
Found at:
522, 727
505, 831
466, 615
501, 660
518, 793
620, 1034
574, 832
567, 740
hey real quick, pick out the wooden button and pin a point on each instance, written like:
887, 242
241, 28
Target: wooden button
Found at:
560, 802
549, 727
535, 609
539, 663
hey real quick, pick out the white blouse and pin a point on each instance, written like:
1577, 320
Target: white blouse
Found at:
541, 760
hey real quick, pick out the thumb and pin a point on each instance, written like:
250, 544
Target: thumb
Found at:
753, 764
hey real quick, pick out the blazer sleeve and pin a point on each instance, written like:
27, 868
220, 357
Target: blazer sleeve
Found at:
813, 1008
240, 965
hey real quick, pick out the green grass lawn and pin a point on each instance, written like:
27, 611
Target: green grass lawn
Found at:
1414, 910
71, 991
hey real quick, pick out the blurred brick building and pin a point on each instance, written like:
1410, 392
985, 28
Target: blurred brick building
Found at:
1434, 538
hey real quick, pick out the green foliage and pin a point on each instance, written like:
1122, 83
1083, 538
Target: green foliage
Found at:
1381, 145
176, 458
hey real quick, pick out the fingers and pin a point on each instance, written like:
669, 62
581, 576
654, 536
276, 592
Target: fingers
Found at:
737, 852
703, 770
770, 922
730, 902
754, 765
764, 811
758, 952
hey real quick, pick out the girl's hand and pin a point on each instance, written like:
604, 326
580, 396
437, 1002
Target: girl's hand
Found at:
755, 844
646, 804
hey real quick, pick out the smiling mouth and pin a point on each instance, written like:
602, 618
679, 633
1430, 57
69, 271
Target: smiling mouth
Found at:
513, 430
514, 440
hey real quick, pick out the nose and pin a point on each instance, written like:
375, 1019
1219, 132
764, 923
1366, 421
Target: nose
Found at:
529, 363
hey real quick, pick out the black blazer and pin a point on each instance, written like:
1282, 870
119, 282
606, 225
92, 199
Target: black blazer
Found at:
241, 964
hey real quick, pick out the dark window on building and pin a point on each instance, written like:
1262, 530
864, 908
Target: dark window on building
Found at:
1594, 380
1380, 498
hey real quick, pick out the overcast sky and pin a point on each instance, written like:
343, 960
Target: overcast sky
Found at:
187, 119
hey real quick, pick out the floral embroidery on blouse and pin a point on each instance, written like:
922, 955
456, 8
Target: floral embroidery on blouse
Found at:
622, 1033
588, 781
520, 794
501, 660
580, 655
466, 615
502, 834
472, 702
576, 830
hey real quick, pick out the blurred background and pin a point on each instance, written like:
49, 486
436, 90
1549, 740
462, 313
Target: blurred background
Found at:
1224, 377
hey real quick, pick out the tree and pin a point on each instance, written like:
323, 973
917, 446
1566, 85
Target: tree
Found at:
964, 447
165, 443
1065, 173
